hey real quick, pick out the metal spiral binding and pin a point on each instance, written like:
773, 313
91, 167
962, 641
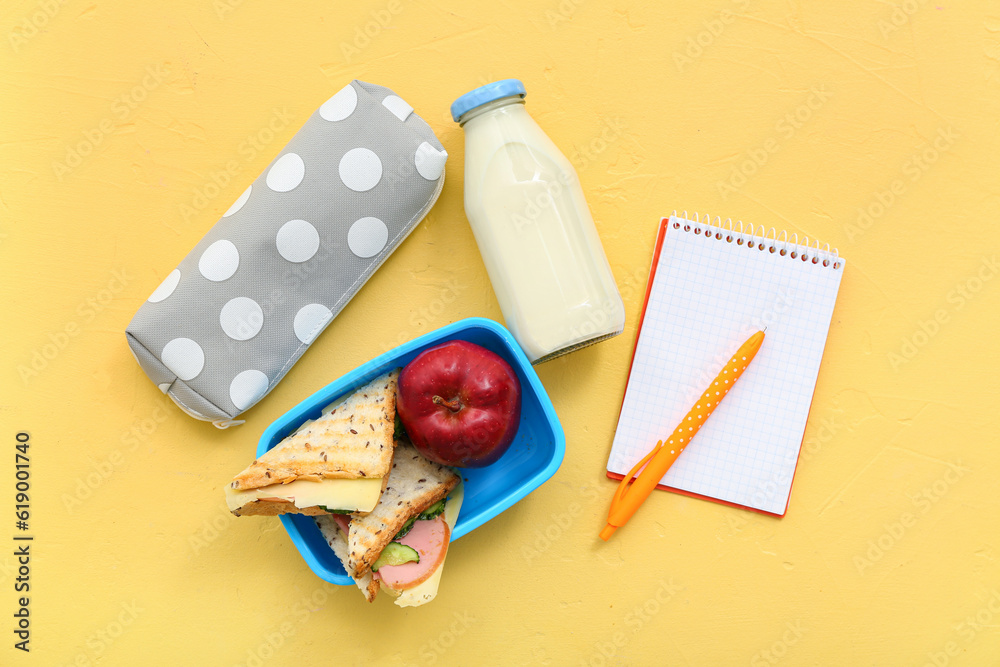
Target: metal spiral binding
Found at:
758, 238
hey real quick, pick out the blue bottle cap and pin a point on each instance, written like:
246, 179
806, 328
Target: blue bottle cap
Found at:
483, 94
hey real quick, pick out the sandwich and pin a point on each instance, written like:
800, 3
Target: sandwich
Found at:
400, 546
337, 463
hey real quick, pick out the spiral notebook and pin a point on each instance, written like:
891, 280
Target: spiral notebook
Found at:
711, 286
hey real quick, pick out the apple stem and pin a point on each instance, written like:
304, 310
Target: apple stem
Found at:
454, 405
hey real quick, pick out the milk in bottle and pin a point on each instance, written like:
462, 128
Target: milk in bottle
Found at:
533, 228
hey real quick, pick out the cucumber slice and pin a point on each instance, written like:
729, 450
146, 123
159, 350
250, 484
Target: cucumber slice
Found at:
396, 554
405, 529
434, 510
431, 512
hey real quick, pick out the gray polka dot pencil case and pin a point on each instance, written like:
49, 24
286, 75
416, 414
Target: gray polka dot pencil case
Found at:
226, 325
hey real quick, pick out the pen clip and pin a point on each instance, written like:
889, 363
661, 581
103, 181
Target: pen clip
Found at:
626, 483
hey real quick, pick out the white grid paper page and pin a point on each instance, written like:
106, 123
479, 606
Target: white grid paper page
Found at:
708, 297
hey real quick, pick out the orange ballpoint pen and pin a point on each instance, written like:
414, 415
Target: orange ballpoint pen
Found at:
636, 486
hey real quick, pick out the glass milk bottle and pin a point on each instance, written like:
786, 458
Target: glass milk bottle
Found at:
534, 230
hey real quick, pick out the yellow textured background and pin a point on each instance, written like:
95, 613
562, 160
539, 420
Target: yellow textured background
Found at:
888, 554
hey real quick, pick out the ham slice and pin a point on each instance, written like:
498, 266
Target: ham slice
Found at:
344, 522
430, 539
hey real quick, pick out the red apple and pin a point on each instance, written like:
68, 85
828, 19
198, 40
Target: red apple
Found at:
460, 404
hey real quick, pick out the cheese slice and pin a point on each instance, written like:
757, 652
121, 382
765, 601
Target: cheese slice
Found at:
356, 495
425, 592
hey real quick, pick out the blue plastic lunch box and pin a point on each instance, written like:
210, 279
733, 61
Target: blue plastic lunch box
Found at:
533, 457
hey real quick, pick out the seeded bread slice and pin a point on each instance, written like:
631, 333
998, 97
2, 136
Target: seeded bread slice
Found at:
414, 485
338, 542
276, 507
352, 440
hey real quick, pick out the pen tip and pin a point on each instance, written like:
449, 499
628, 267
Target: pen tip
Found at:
608, 531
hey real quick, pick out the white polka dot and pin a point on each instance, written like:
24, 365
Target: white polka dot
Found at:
238, 204
247, 388
241, 318
398, 106
183, 357
166, 288
672, 451
429, 161
297, 241
309, 321
367, 237
219, 261
286, 173
341, 105
360, 169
